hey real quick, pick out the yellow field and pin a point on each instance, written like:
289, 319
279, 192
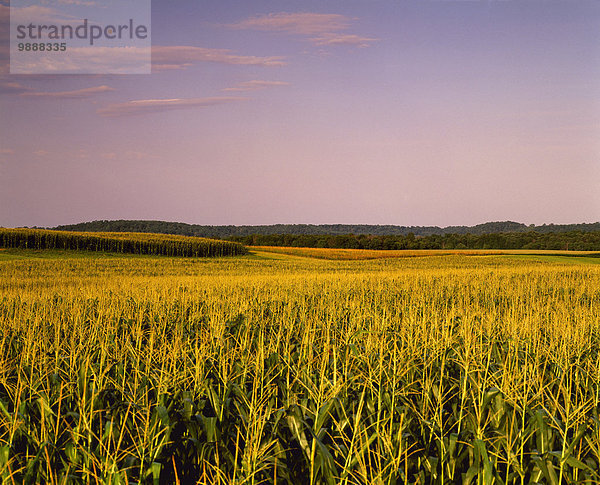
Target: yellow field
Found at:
355, 254
118, 242
270, 368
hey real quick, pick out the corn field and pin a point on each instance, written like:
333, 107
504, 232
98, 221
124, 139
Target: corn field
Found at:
131, 243
275, 370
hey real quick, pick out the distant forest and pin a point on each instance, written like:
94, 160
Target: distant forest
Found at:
223, 232
573, 240
491, 235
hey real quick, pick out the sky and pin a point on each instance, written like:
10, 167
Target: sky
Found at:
322, 112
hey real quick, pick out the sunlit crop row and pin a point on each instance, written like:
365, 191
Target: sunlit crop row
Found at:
453, 369
133, 243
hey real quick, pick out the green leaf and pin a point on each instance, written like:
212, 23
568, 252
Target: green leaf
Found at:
156, 468
210, 428
4, 455
296, 425
323, 414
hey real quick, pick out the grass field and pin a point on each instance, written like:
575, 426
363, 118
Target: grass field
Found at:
275, 368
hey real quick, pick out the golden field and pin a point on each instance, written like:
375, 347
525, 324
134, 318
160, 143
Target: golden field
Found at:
357, 254
269, 368
118, 242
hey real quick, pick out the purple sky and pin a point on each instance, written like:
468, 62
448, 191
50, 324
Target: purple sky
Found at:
375, 112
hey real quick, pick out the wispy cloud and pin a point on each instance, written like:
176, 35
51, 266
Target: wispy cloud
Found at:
136, 155
14, 88
77, 94
82, 60
142, 106
256, 85
180, 57
318, 28
343, 39
7, 87
295, 23
77, 2
39, 14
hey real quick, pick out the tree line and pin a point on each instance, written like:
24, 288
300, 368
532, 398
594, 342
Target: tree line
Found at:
227, 231
573, 240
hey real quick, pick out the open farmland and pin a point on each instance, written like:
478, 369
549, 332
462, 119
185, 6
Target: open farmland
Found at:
358, 254
270, 368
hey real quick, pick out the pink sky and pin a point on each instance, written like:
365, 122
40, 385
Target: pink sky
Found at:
407, 113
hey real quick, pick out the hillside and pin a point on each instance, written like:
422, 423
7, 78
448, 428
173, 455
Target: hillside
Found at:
184, 229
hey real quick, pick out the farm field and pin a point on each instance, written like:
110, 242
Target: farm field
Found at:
118, 242
357, 254
299, 368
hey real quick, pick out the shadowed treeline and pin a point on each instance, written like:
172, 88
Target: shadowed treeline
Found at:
575, 240
316, 230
